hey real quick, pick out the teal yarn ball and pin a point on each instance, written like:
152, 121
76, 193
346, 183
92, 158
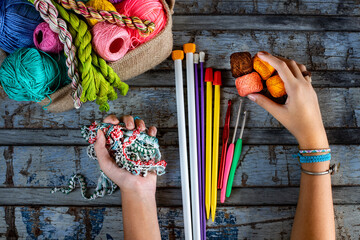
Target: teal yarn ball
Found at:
29, 75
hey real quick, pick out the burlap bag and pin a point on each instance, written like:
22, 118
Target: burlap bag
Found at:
134, 63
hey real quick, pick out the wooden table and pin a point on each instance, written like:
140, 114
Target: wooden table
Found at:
41, 150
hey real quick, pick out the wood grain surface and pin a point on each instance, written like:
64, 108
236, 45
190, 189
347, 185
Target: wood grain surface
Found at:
40, 150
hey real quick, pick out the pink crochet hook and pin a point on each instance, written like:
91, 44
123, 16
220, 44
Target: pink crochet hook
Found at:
229, 157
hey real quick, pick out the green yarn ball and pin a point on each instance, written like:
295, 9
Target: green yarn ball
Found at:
30, 75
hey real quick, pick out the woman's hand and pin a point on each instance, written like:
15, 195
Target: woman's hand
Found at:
127, 182
301, 113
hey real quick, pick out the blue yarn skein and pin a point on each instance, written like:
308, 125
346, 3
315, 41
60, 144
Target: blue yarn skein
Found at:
18, 20
29, 75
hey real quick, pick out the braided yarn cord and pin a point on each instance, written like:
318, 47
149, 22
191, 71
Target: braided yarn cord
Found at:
144, 26
49, 13
98, 79
134, 151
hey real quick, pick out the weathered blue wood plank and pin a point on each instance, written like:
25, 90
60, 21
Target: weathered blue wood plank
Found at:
171, 197
317, 50
266, 22
343, 110
239, 7
106, 223
258, 166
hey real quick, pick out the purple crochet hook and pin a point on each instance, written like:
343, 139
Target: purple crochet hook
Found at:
202, 98
198, 126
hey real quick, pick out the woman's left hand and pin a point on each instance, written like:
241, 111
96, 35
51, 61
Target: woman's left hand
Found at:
127, 182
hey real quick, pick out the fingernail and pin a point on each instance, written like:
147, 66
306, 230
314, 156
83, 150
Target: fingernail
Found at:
263, 53
251, 97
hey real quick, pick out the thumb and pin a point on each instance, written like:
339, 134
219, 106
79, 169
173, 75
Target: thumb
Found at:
106, 162
273, 108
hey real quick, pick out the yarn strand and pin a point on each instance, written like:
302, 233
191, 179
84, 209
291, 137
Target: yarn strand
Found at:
98, 83
50, 15
144, 26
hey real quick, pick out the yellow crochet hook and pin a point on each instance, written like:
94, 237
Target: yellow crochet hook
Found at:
215, 159
208, 80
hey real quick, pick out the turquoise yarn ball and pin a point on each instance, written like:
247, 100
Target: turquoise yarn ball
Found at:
29, 75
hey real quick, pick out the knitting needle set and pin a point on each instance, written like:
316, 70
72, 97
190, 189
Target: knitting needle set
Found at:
207, 173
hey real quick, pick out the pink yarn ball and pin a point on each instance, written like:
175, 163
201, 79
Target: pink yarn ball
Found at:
110, 41
46, 40
152, 10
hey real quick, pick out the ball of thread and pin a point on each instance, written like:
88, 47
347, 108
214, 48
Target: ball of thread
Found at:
99, 5
249, 83
263, 68
241, 64
18, 20
276, 86
152, 10
116, 1
29, 75
46, 40
110, 41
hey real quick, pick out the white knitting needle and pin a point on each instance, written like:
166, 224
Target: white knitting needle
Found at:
178, 56
189, 49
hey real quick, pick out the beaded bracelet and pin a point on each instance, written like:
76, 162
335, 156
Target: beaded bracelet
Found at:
324, 150
312, 159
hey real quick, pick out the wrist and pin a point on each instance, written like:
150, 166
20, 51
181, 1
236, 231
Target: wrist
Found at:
138, 195
314, 140
316, 167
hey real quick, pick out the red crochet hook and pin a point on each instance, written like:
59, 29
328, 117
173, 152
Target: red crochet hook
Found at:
225, 138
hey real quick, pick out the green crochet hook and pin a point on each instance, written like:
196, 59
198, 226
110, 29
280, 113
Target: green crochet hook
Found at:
237, 153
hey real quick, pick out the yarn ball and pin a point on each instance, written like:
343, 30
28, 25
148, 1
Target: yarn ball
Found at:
116, 1
99, 5
276, 86
110, 41
249, 83
46, 40
29, 75
263, 68
18, 20
241, 64
152, 10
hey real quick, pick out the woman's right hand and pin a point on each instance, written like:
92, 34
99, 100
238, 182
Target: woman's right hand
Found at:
301, 112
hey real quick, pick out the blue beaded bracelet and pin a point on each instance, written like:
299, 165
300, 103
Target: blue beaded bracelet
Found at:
313, 159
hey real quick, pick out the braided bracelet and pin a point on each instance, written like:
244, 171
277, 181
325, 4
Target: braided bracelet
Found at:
331, 171
313, 159
323, 150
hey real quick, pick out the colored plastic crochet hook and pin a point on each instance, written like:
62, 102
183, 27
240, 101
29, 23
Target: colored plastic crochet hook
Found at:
208, 80
238, 149
225, 138
198, 138
229, 157
215, 159
189, 49
202, 100
178, 56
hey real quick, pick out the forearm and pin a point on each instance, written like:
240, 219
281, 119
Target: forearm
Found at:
314, 218
140, 216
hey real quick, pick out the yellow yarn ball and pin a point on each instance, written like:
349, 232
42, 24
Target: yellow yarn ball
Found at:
99, 5
276, 86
